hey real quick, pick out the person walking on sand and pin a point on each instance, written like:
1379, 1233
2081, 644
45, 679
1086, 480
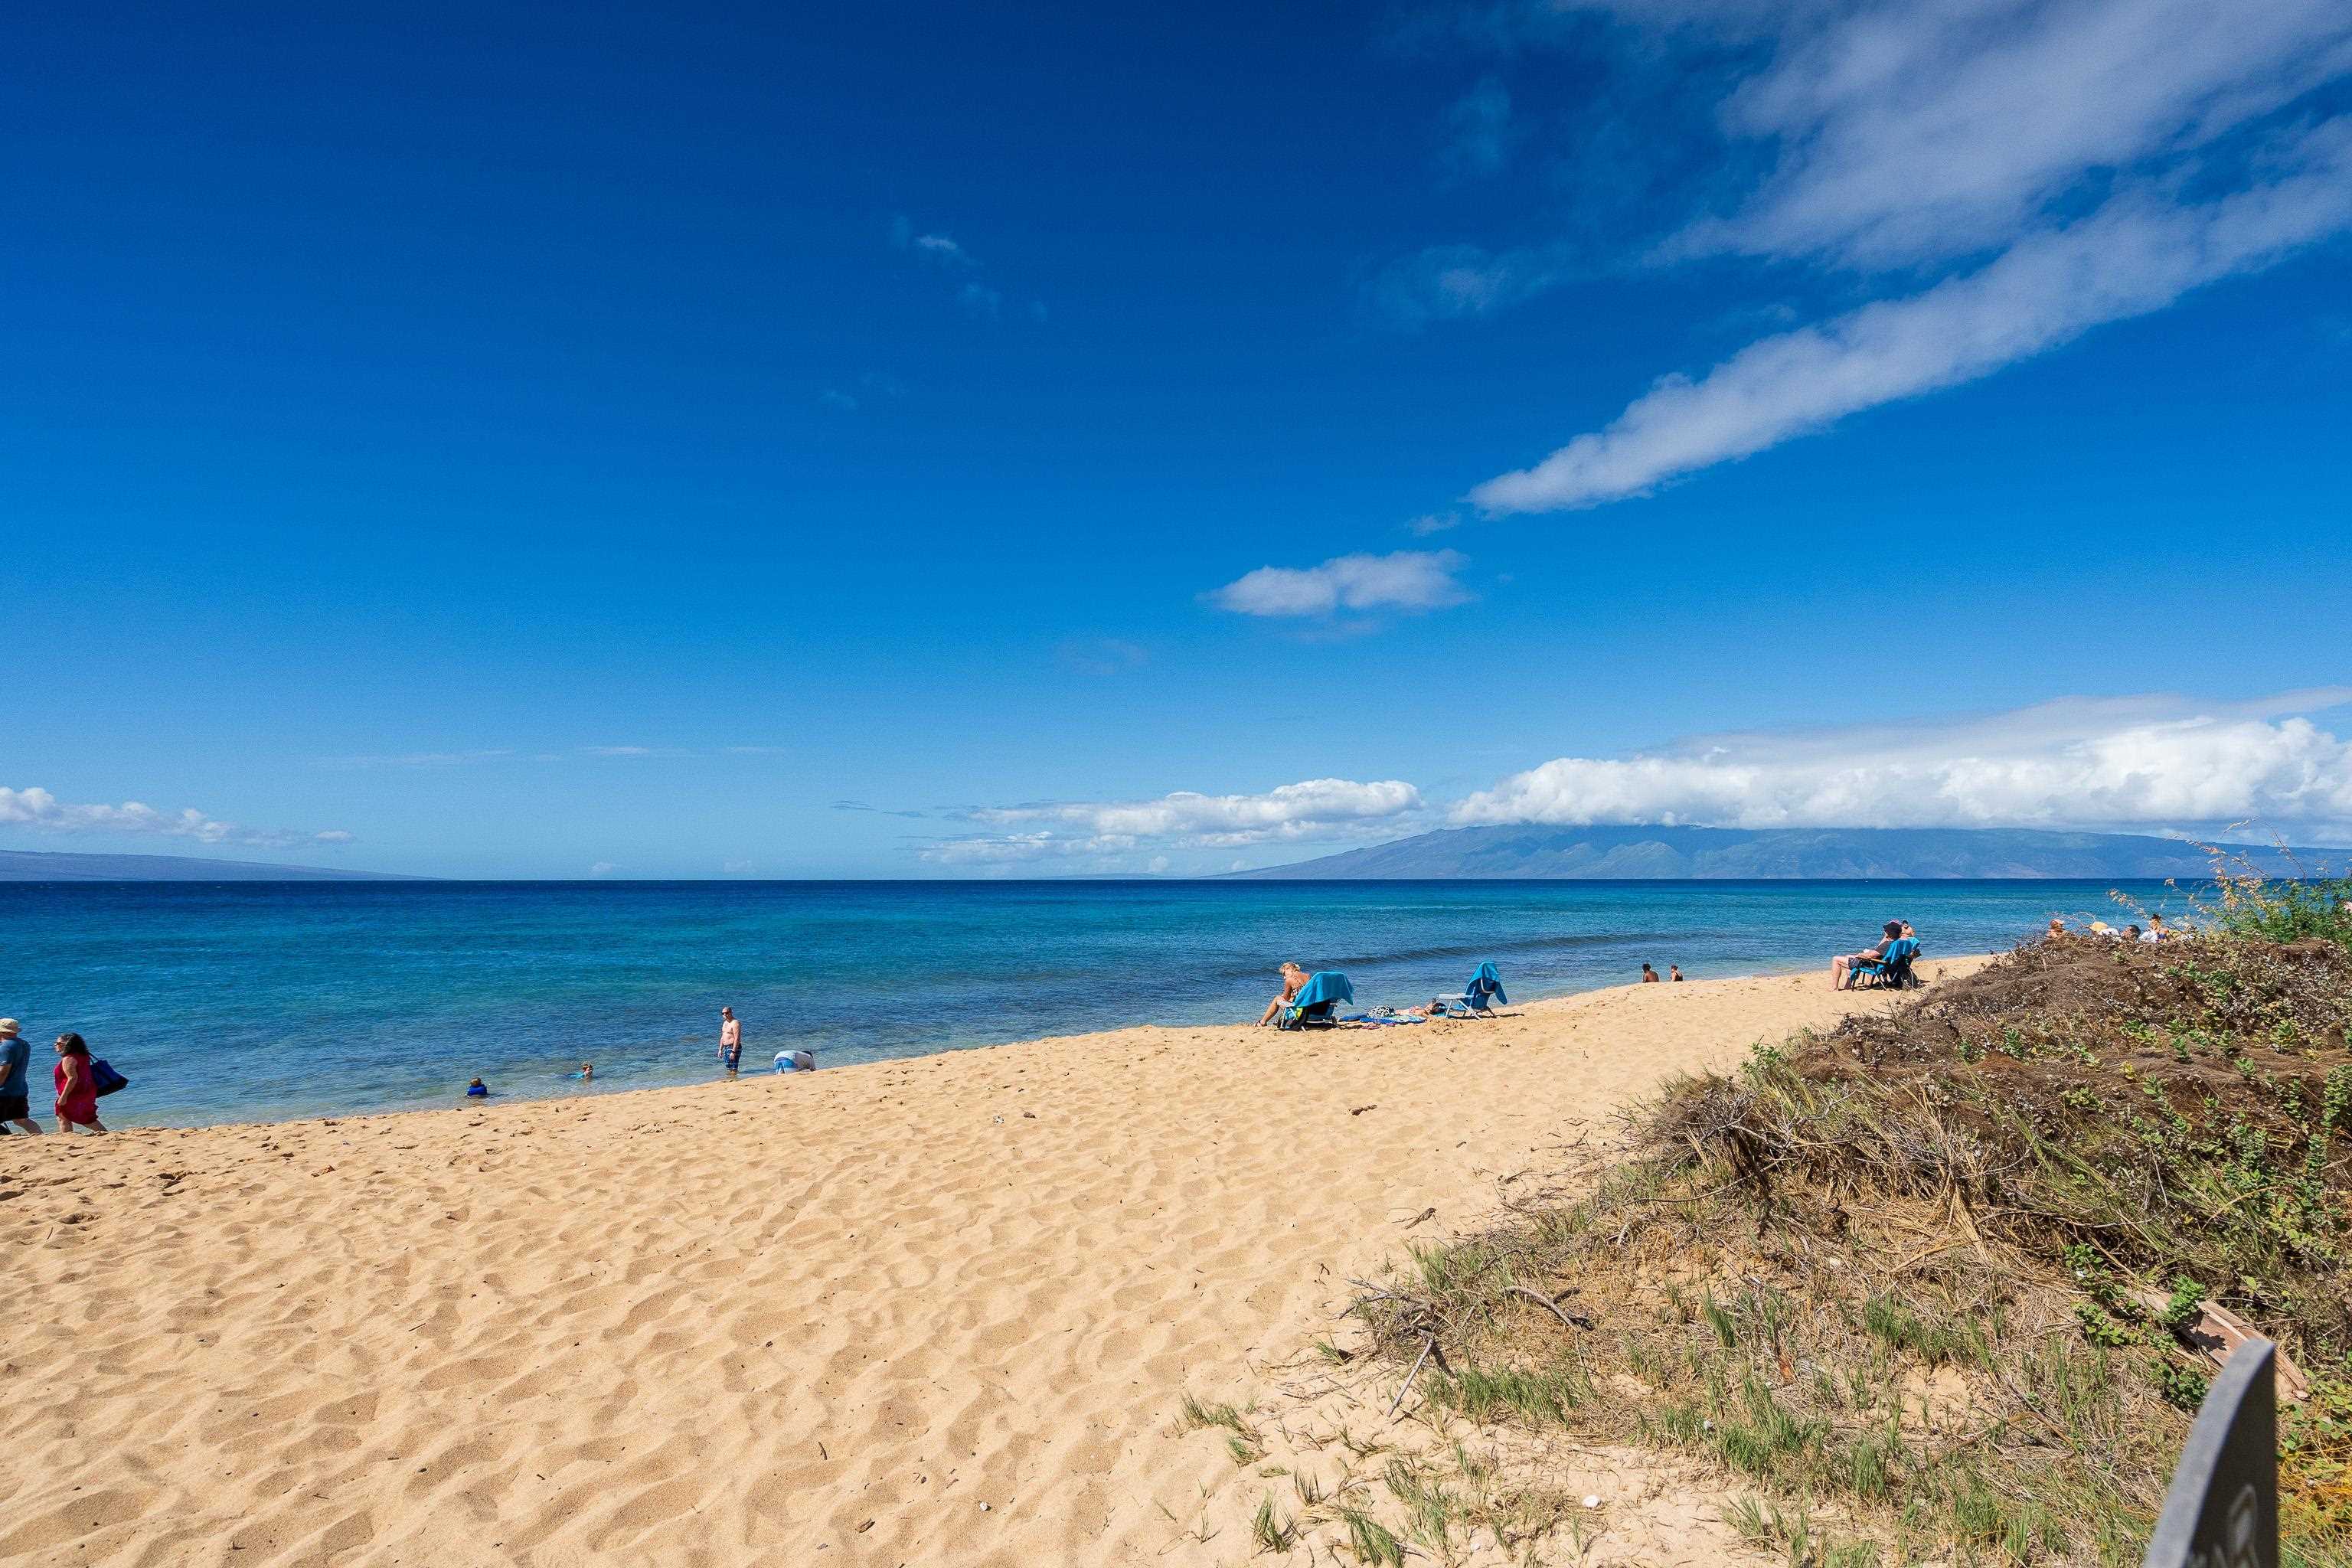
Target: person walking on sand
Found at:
76, 1090
1294, 980
15, 1080
730, 1040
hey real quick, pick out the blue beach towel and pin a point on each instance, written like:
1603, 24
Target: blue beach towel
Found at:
1484, 993
1324, 991
1897, 961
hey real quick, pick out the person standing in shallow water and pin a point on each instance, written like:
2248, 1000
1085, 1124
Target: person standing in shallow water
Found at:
15, 1078
76, 1090
730, 1040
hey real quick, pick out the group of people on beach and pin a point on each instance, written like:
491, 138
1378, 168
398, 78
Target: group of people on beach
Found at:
1294, 978
77, 1085
730, 1055
2154, 931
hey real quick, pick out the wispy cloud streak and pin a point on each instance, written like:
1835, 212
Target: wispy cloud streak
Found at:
2138, 254
2062, 163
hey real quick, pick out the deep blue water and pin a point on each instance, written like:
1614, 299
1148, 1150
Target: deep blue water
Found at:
245, 1001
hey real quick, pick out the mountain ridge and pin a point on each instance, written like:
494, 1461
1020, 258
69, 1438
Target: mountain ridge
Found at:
53, 866
1793, 854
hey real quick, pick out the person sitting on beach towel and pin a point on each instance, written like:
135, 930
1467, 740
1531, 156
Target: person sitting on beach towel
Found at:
1842, 966
1293, 979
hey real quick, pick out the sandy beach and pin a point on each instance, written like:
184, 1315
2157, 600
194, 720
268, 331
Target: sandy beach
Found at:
939, 1311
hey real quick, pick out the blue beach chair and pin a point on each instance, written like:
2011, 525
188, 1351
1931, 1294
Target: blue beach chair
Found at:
1482, 995
1313, 1007
1894, 970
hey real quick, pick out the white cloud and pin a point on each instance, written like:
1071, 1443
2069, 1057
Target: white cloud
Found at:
1478, 130
940, 248
2137, 253
2080, 160
616, 751
977, 299
1448, 283
2132, 763
1315, 808
1909, 131
736, 867
1406, 579
932, 247
603, 868
37, 808
1159, 863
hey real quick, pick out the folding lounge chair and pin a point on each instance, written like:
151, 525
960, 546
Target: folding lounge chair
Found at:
1894, 970
1316, 1000
1483, 995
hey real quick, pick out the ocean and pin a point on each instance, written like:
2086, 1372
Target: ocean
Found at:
246, 1001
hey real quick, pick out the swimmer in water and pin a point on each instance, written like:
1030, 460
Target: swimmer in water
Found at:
477, 1089
587, 1069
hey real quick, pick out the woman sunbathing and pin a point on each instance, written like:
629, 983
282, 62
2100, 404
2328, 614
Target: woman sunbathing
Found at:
1842, 966
1294, 981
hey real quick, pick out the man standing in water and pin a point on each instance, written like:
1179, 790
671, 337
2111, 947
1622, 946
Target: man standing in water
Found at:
730, 1040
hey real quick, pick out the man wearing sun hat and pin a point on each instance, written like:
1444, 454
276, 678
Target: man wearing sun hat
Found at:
16, 1054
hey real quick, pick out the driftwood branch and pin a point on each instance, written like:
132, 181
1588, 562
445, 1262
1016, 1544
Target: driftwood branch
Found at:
1547, 1304
1428, 1343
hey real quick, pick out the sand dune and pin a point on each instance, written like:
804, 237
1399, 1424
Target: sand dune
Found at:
930, 1311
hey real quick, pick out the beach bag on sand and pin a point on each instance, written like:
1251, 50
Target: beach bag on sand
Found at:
103, 1079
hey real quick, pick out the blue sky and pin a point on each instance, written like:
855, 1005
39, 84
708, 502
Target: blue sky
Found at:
919, 440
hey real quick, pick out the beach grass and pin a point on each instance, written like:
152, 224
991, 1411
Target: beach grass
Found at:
1925, 1285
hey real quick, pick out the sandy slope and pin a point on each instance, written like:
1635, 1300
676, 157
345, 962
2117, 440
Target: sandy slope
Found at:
816, 1320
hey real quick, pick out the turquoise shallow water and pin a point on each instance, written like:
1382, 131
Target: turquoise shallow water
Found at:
254, 1002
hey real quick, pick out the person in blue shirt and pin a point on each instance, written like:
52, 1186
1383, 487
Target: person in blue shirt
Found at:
15, 1090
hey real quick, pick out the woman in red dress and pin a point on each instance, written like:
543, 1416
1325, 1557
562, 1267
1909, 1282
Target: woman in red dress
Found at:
76, 1090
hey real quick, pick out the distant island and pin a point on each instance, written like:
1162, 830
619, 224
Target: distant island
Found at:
1792, 853
41, 866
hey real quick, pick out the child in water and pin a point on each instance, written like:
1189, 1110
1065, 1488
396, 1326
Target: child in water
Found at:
477, 1089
